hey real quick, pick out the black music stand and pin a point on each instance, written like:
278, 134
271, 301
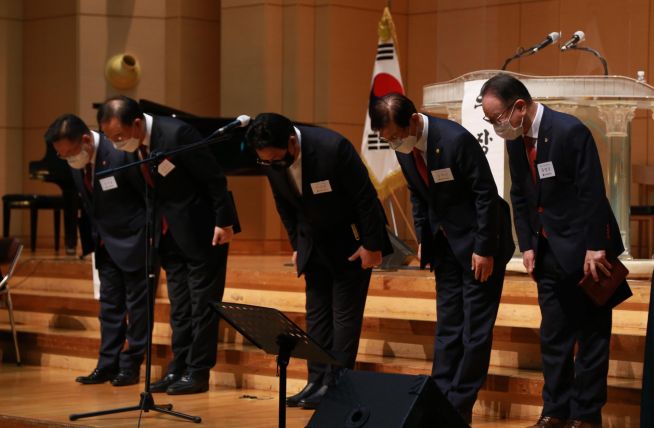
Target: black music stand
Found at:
272, 331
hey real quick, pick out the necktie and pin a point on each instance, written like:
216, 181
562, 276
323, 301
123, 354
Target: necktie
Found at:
145, 170
420, 165
530, 148
88, 174
144, 166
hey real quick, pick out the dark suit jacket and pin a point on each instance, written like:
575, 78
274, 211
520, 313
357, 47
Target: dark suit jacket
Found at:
572, 206
193, 196
467, 208
323, 222
117, 216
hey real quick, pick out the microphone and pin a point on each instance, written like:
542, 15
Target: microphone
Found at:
576, 38
239, 122
551, 38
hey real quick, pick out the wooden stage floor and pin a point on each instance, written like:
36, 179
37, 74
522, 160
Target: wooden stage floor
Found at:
45, 396
58, 332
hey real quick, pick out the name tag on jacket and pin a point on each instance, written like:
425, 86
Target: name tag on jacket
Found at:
165, 167
108, 183
442, 175
321, 187
546, 170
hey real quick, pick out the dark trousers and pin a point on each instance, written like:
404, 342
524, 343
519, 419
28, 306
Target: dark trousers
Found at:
466, 313
334, 312
192, 286
123, 314
575, 387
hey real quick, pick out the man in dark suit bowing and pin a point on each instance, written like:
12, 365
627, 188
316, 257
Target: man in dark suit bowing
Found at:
566, 230
336, 226
195, 218
464, 233
114, 204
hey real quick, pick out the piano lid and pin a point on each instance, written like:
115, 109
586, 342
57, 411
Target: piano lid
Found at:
51, 168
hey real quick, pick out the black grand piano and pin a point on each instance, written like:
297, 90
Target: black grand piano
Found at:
230, 151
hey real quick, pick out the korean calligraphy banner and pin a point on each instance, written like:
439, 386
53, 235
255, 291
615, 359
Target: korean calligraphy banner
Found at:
377, 155
492, 145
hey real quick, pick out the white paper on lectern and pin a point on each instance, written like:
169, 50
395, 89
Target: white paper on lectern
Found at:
96, 279
472, 119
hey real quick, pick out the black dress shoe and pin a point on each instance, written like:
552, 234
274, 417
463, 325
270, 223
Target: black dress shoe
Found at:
97, 376
549, 422
311, 402
162, 384
293, 400
126, 377
190, 383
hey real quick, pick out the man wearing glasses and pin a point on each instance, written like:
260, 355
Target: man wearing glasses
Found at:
566, 230
195, 221
464, 233
336, 226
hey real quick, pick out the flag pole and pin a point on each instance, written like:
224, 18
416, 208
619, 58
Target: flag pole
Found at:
392, 211
403, 214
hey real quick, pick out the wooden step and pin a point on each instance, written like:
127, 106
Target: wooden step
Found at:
514, 346
58, 327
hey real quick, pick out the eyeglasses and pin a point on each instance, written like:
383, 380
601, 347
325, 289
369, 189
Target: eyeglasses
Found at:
276, 163
393, 143
497, 119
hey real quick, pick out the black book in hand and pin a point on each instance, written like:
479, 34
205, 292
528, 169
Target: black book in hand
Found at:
601, 291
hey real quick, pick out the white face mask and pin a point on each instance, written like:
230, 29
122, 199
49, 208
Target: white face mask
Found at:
506, 131
404, 145
79, 160
128, 145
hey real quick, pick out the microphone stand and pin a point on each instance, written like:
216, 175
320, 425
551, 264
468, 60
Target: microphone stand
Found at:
146, 402
519, 54
597, 54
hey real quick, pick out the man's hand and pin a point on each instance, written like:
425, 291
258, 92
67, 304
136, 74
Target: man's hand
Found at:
222, 235
596, 260
529, 261
294, 259
419, 252
482, 266
369, 259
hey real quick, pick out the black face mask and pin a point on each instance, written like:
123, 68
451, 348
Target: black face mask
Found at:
282, 164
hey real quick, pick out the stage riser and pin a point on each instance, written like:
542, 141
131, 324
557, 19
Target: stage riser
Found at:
251, 368
58, 326
514, 347
75, 276
626, 320
522, 351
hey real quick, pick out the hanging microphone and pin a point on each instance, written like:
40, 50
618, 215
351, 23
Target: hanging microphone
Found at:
576, 38
239, 122
551, 38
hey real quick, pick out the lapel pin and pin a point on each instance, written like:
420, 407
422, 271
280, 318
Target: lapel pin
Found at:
438, 151
546, 139
104, 162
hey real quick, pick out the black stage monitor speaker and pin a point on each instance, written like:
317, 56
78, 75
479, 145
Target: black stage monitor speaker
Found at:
382, 400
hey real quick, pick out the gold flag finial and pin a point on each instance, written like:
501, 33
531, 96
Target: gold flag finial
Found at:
386, 28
